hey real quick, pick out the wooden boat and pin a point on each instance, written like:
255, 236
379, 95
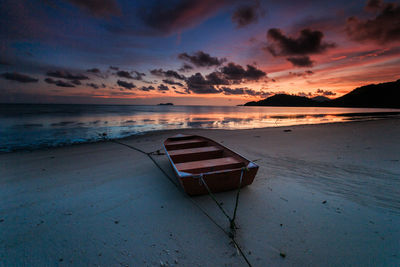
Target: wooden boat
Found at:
194, 157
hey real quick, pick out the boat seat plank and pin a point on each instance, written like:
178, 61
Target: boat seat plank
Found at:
195, 150
182, 144
209, 165
194, 154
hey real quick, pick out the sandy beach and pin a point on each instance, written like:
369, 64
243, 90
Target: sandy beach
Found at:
325, 195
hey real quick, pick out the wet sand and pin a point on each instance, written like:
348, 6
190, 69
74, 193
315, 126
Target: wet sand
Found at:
325, 195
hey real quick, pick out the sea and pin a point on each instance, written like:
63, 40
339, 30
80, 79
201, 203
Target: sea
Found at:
35, 126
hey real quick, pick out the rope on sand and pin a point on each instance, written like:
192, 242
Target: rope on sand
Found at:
233, 227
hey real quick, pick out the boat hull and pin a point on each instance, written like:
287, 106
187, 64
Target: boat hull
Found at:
224, 179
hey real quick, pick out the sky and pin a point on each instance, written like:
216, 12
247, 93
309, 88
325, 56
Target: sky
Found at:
193, 52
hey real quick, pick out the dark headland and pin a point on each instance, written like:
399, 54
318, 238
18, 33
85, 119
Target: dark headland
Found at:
383, 95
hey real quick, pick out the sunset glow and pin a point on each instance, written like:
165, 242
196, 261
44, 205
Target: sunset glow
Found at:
193, 52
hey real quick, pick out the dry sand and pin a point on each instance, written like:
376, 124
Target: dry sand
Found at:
325, 195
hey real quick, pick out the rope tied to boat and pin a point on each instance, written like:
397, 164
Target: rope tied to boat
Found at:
233, 227
232, 224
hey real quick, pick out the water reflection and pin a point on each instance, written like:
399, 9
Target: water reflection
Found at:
37, 126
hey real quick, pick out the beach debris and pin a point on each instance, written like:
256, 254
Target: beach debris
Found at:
1, 220
162, 264
257, 136
162, 207
281, 225
116, 222
282, 254
176, 261
324, 202
287, 130
284, 199
60, 259
249, 252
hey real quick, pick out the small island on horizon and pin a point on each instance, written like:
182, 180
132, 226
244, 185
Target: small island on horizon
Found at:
383, 95
166, 104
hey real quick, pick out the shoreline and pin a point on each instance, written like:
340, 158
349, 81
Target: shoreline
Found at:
49, 147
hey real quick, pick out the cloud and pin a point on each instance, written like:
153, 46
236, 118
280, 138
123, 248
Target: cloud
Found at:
302, 74
76, 82
201, 59
167, 74
171, 82
18, 77
197, 84
124, 74
113, 68
126, 85
308, 42
94, 70
98, 8
59, 83
244, 91
325, 92
66, 75
181, 93
236, 72
173, 16
384, 28
147, 88
217, 78
374, 5
302, 61
186, 67
93, 85
162, 87
128, 75
247, 14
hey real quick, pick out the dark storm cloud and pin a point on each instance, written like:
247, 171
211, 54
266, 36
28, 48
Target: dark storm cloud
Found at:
303, 61
98, 8
66, 75
94, 70
171, 16
325, 92
167, 74
384, 28
236, 72
18, 77
199, 85
147, 88
186, 67
201, 59
171, 82
93, 85
308, 42
59, 83
162, 87
126, 85
247, 14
